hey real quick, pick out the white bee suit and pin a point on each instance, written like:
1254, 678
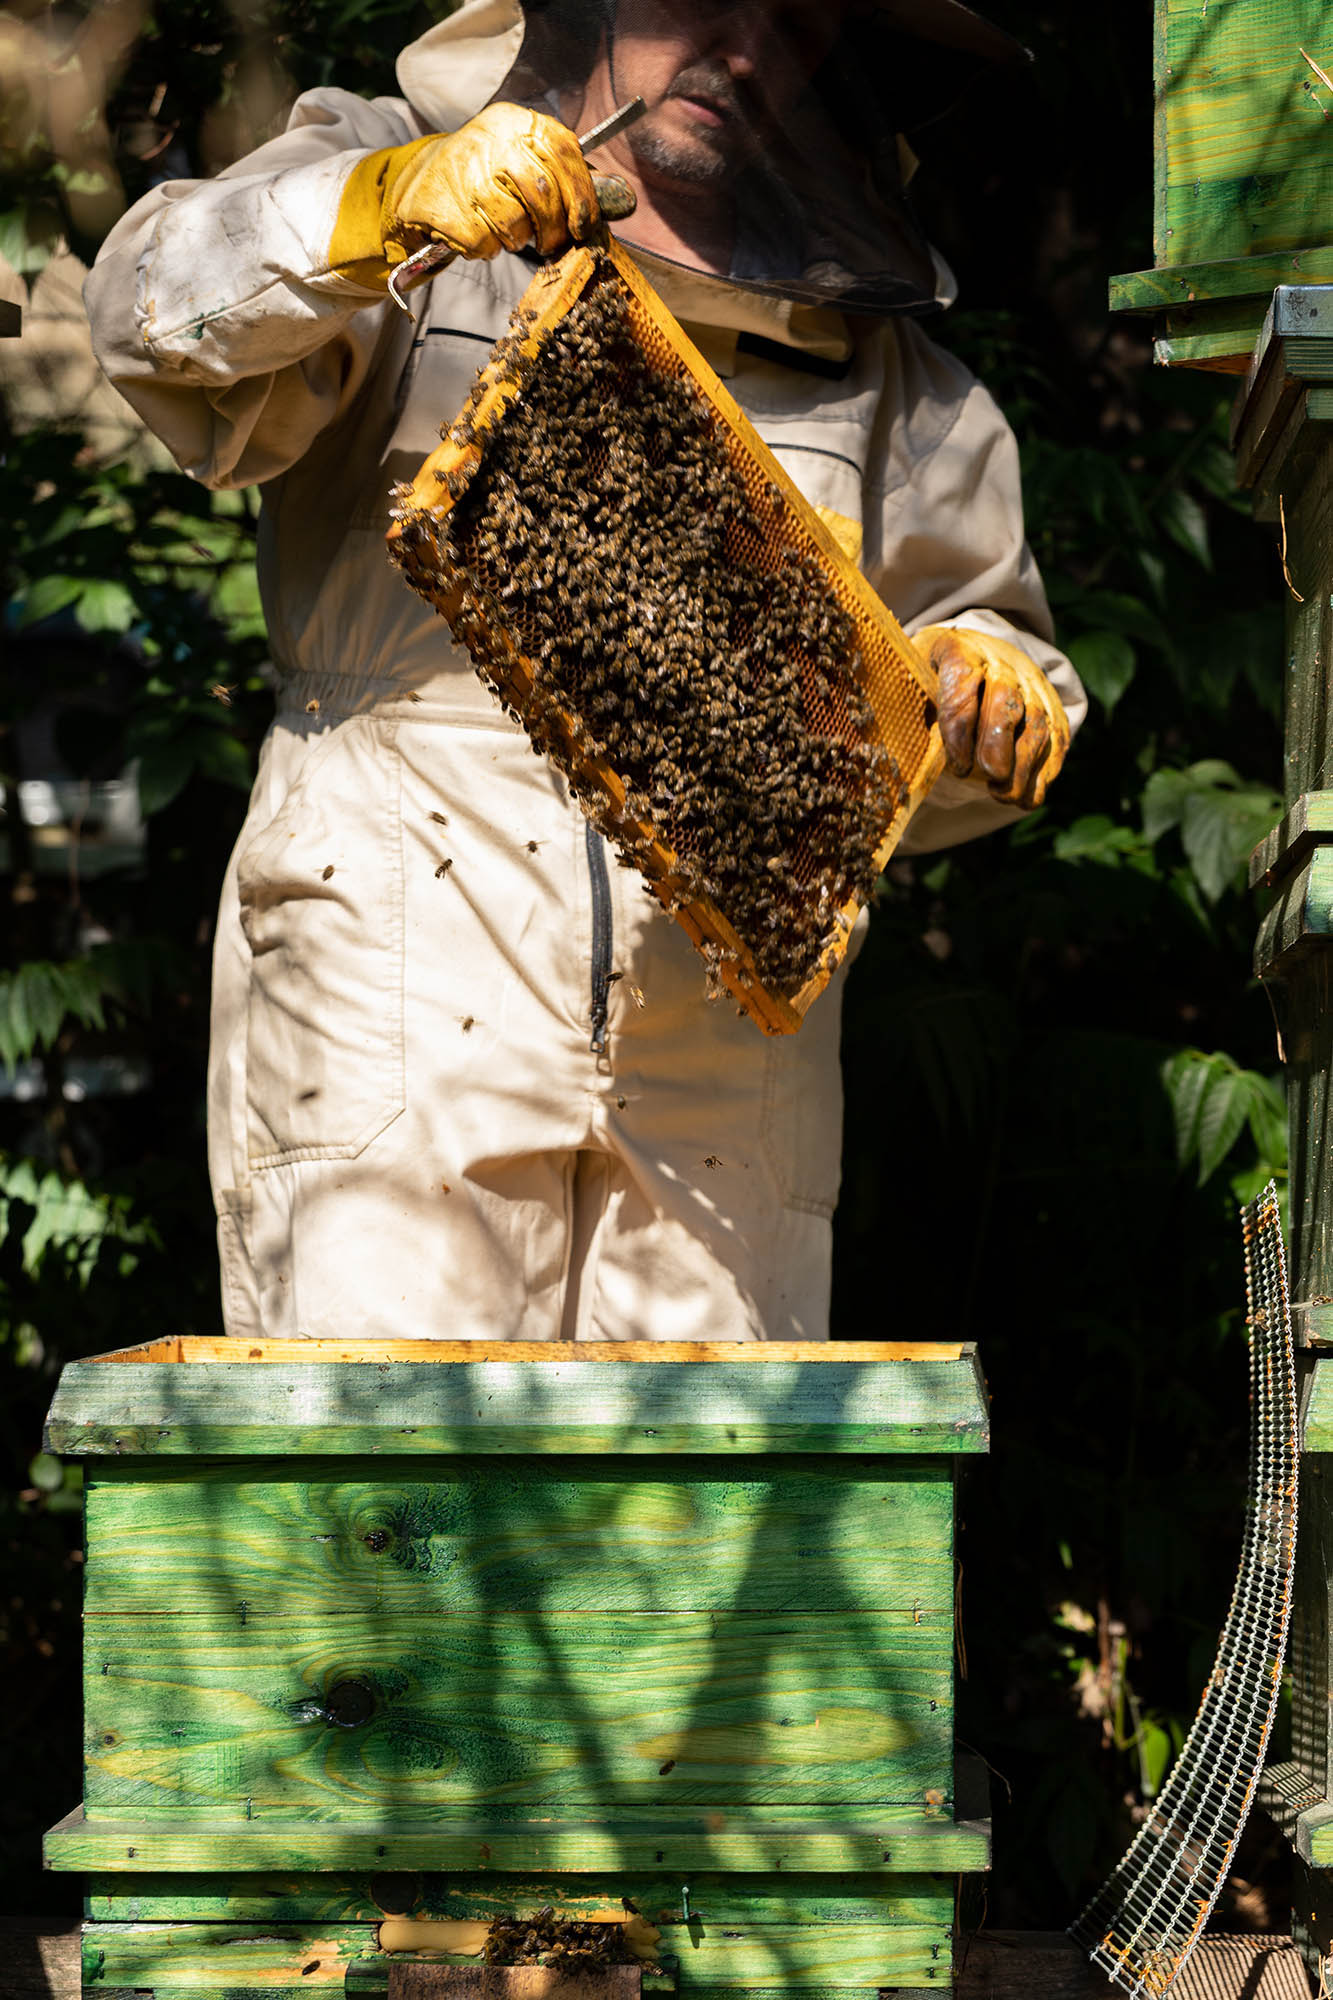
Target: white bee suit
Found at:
410, 1135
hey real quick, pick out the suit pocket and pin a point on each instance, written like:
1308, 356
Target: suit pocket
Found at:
321, 891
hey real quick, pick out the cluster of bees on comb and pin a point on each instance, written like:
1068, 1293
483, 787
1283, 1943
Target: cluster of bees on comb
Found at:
548, 1939
676, 633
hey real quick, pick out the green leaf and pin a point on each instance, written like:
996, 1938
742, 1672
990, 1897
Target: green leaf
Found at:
164, 771
1268, 1122
1186, 522
1105, 663
46, 1472
1154, 1756
224, 757
1221, 818
1163, 802
47, 596
1223, 1114
1099, 839
105, 607
1211, 1100
1221, 828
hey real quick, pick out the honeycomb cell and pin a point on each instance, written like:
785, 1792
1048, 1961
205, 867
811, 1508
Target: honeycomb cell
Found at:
654, 603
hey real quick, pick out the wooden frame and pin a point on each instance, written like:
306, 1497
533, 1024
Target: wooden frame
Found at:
442, 480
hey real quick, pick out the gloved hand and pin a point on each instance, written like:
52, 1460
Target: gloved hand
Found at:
506, 177
1002, 722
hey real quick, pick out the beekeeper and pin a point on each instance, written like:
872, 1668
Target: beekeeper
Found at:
464, 1081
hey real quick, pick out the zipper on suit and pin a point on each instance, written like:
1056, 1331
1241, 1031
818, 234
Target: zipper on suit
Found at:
599, 882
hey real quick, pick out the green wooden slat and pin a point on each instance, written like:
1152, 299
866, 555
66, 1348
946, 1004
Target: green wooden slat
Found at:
567, 1709
1217, 335
1297, 1807
1318, 1434
911, 1836
1308, 825
170, 1540
231, 1408
1256, 278
290, 1898
1244, 164
226, 1959
1301, 918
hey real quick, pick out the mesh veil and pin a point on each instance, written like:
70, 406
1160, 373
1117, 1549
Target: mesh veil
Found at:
772, 131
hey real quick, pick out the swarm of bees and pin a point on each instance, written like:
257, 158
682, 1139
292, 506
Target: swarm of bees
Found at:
607, 538
548, 1939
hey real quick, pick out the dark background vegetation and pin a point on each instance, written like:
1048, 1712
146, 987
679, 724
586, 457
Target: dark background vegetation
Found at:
1063, 1076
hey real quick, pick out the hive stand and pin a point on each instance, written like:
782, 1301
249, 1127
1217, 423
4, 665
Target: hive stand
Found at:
456, 1631
1284, 446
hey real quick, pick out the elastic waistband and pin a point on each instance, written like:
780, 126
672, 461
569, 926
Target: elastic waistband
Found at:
456, 698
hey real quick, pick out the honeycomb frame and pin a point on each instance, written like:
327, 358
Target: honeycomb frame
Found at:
899, 685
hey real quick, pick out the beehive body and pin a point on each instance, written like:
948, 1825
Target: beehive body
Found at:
1243, 172
454, 1638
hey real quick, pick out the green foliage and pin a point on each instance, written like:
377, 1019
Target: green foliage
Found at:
1214, 1100
1220, 817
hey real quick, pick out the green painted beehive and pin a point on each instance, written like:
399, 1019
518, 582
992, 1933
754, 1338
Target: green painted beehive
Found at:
455, 1632
1243, 172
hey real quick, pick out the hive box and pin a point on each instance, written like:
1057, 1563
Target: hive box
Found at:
460, 1630
1242, 170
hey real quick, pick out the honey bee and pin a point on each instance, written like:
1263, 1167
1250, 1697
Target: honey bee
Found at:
443, 869
607, 570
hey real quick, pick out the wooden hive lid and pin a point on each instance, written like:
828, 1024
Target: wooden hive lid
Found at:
189, 1395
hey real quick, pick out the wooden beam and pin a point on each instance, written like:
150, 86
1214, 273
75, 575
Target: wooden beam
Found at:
1257, 278
406, 1537
644, 1408
908, 1836
270, 1353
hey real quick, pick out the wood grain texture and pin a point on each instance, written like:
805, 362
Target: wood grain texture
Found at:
372, 1976
230, 1960
1243, 162
995, 1965
168, 1539
1255, 278
418, 1981
1318, 1404
714, 1898
234, 1409
194, 1347
911, 1836
352, 1718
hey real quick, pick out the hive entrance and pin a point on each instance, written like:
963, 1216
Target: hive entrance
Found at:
646, 590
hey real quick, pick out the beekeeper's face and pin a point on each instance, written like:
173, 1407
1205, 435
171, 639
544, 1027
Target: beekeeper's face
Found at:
717, 78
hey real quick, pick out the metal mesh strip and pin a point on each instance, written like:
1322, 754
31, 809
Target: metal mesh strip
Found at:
1143, 1923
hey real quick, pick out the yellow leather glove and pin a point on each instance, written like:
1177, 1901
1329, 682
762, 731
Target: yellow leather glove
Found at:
505, 178
1002, 723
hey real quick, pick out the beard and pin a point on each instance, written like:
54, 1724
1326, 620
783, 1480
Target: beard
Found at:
713, 153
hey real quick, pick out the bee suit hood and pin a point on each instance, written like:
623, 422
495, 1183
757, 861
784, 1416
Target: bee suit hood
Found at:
810, 155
